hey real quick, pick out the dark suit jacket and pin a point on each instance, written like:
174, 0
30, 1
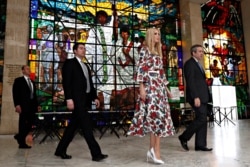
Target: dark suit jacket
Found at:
74, 85
21, 95
196, 85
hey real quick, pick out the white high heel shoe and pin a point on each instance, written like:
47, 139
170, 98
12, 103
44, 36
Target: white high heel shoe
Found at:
151, 155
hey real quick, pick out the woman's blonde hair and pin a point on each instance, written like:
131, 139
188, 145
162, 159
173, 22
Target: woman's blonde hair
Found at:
154, 48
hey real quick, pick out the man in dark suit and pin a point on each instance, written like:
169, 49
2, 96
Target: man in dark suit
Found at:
79, 94
25, 102
197, 95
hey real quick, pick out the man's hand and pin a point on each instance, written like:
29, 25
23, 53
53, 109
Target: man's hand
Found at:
18, 109
97, 103
197, 102
39, 108
70, 104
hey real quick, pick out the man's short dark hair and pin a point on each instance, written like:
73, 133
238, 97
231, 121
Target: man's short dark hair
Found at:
194, 48
76, 45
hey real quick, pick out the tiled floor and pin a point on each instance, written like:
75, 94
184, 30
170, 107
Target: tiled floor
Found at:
230, 144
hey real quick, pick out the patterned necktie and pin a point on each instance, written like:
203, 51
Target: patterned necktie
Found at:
31, 88
86, 74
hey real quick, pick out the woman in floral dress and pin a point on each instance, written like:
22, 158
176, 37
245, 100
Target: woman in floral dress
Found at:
152, 113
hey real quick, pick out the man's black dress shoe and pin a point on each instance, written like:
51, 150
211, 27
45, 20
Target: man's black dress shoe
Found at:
203, 149
25, 146
63, 155
183, 143
17, 138
100, 157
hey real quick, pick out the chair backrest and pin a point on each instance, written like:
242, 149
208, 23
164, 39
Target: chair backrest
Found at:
187, 105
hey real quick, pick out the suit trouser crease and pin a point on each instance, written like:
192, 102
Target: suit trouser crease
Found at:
80, 120
198, 127
24, 127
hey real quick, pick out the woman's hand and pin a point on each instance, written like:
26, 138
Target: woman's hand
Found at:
170, 95
143, 93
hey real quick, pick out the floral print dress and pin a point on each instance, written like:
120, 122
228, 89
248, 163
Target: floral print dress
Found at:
153, 114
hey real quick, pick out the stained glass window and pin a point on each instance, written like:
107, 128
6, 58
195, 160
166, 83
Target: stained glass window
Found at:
113, 33
223, 41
